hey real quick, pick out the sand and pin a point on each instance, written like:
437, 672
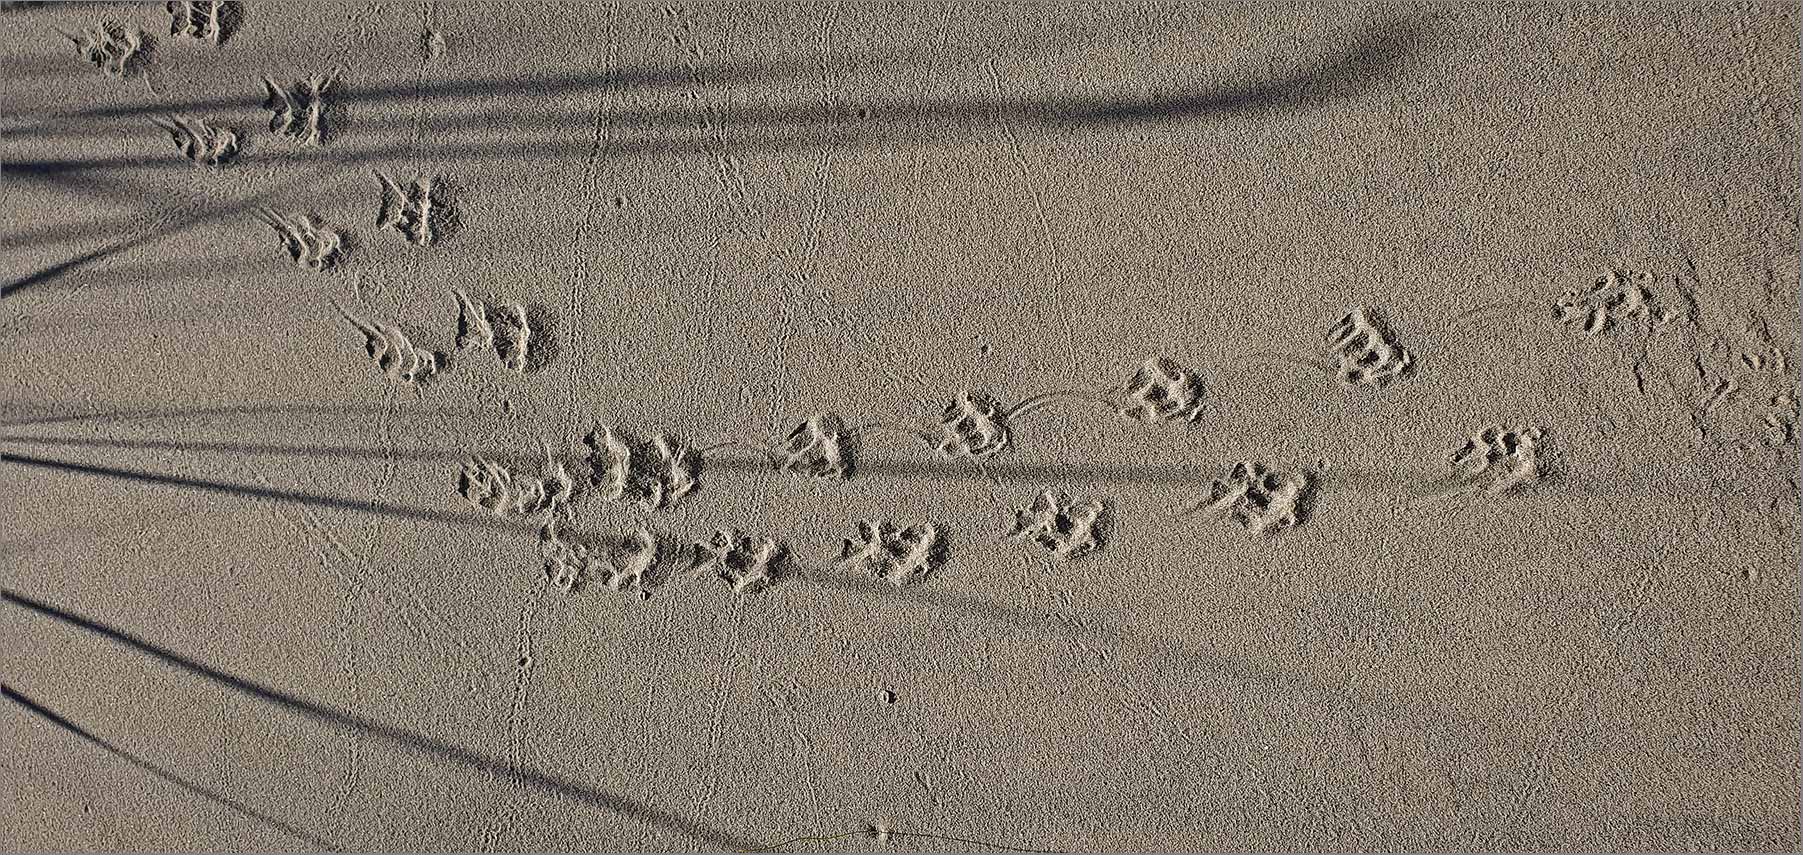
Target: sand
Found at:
900, 427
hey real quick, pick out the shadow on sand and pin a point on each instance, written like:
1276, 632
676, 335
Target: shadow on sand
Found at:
214, 796
1376, 50
406, 739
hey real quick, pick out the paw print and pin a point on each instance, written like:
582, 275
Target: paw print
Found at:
417, 209
1498, 459
298, 112
400, 360
631, 561
1614, 297
1163, 391
569, 564
626, 564
490, 486
655, 474
973, 425
820, 446
500, 326
746, 562
1068, 528
1262, 500
898, 556
115, 50
308, 240
1368, 354
1781, 420
206, 20
199, 142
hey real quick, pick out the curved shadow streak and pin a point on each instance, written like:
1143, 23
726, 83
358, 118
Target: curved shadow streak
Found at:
314, 499
1406, 483
1377, 50
203, 216
346, 452
1089, 628
216, 797
420, 743
561, 84
266, 410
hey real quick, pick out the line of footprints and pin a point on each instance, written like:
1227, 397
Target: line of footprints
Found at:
420, 209
659, 471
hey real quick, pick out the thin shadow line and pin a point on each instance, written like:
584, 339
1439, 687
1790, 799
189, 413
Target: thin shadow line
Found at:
407, 739
1376, 50
282, 410
315, 499
339, 451
929, 468
1412, 485
1079, 627
236, 806
203, 216
539, 85
1380, 42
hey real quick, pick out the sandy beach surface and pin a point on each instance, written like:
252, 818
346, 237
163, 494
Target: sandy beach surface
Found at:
899, 427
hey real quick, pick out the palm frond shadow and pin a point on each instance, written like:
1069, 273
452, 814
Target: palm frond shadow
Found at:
51, 414
214, 796
1402, 484
1375, 52
248, 491
204, 213
397, 736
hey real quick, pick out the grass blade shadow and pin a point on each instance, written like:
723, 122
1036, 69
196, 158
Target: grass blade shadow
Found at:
315, 499
407, 739
234, 805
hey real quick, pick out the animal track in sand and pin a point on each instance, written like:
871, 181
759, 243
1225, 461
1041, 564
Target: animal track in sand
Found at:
400, 360
1069, 529
308, 240
1495, 460
431, 45
1607, 302
298, 111
1161, 390
1264, 501
1360, 351
117, 51
820, 446
207, 20
1613, 298
655, 474
895, 555
1367, 351
627, 563
490, 486
977, 426
502, 327
748, 563
417, 209
973, 425
199, 142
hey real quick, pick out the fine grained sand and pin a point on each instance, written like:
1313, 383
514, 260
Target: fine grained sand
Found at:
1524, 575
